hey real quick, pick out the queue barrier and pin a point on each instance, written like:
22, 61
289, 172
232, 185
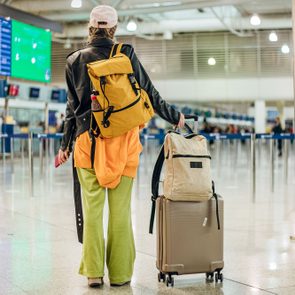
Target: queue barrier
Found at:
235, 136
282, 136
35, 135
145, 137
245, 136
161, 136
48, 135
220, 136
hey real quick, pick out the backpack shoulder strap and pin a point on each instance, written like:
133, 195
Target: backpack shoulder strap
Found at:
116, 49
119, 48
155, 186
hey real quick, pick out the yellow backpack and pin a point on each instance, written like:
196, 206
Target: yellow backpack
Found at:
123, 105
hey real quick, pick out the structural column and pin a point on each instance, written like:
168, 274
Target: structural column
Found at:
46, 118
292, 237
260, 116
293, 51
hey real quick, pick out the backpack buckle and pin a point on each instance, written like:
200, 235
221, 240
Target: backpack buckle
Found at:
132, 81
105, 122
153, 198
103, 80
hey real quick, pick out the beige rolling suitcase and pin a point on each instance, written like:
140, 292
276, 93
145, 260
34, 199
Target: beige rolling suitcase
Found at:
189, 233
188, 239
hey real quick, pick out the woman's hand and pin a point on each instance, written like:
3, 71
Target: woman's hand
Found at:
181, 121
63, 156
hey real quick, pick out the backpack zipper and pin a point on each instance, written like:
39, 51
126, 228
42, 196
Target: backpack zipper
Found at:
122, 109
128, 106
191, 156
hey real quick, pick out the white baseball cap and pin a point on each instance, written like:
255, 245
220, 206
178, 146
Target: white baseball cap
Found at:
104, 14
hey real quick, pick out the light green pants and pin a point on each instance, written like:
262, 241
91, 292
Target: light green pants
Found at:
120, 242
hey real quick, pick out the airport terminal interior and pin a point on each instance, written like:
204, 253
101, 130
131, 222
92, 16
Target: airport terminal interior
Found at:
228, 62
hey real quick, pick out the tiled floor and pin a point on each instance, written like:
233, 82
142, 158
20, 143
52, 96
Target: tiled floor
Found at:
39, 252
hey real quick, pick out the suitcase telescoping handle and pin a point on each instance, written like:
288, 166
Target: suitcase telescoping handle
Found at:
188, 117
187, 127
196, 119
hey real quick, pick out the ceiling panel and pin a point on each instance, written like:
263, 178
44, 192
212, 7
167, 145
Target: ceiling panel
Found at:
61, 11
268, 6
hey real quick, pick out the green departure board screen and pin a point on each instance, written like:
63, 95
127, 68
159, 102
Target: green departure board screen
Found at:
31, 52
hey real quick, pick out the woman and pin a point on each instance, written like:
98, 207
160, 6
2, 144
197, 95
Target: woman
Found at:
116, 159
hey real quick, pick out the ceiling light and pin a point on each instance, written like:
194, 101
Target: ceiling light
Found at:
168, 35
211, 61
273, 266
285, 49
255, 20
273, 37
76, 3
131, 26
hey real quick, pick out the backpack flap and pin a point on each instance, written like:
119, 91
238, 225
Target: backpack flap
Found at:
119, 64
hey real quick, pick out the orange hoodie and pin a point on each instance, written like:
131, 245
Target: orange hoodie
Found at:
114, 157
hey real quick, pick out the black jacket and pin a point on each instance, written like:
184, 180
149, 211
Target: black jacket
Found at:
78, 108
277, 129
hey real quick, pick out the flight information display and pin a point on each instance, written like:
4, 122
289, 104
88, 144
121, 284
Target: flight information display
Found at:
31, 52
5, 47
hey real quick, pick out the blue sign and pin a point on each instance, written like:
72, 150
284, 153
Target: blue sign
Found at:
5, 47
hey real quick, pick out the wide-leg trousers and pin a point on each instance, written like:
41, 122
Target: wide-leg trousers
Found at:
120, 249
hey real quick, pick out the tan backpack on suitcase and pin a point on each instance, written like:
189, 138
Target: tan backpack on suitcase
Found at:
187, 168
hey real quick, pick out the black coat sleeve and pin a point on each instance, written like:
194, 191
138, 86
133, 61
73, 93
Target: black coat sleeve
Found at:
70, 121
161, 107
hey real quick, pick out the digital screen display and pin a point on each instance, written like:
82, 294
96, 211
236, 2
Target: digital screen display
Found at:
5, 46
34, 92
31, 52
55, 95
59, 95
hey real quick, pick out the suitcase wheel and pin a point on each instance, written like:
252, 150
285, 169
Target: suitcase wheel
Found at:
210, 276
218, 277
170, 281
161, 277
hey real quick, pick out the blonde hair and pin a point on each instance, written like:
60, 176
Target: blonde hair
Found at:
98, 33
